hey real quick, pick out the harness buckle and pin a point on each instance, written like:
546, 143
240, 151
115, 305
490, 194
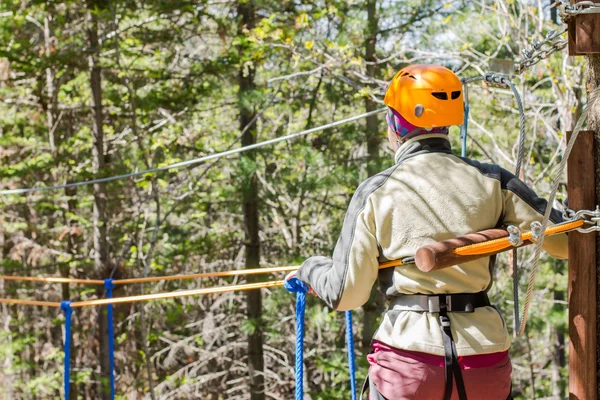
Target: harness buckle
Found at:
444, 321
435, 305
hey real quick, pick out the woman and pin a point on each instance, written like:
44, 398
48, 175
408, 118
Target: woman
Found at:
440, 337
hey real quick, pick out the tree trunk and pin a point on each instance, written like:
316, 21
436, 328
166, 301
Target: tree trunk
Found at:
7, 364
101, 264
375, 306
373, 136
48, 36
247, 21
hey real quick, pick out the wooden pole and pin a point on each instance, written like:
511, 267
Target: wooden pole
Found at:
584, 34
582, 274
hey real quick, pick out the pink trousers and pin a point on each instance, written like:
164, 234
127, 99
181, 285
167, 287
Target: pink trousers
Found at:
397, 377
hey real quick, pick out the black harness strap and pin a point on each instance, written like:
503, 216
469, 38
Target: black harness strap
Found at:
451, 366
443, 304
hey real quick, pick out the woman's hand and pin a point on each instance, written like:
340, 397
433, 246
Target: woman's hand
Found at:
293, 275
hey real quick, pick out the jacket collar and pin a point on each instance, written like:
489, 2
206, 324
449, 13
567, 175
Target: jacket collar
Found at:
423, 144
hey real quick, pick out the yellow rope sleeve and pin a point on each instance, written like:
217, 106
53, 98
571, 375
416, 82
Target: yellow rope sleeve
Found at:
30, 303
497, 245
170, 295
390, 264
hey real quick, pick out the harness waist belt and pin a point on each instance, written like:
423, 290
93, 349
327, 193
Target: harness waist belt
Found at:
462, 302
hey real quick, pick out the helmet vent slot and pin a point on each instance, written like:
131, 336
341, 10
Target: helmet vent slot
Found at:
440, 95
456, 95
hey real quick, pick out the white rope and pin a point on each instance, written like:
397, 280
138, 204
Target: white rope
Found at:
195, 160
538, 247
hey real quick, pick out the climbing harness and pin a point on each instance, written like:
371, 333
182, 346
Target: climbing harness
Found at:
443, 304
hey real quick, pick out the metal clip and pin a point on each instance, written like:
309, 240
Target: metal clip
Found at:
514, 236
536, 231
591, 218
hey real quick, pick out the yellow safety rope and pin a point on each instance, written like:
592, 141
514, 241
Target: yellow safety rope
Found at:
167, 295
52, 279
490, 246
183, 293
30, 302
157, 296
497, 245
255, 271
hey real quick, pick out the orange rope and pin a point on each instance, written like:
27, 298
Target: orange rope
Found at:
52, 279
497, 245
238, 272
183, 293
490, 246
30, 302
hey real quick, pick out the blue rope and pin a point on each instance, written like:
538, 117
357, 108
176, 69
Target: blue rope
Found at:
66, 307
295, 285
464, 131
109, 286
351, 360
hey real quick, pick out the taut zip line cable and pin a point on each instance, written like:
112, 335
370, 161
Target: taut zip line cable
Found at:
195, 160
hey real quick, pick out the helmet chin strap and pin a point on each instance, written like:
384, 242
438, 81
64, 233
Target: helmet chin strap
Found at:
417, 132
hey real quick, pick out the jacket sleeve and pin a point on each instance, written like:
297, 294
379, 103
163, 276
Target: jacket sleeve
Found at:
522, 206
344, 282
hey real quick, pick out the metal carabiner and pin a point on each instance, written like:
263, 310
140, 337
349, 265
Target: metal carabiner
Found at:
536, 231
514, 236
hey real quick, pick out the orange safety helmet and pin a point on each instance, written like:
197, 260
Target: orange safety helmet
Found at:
427, 96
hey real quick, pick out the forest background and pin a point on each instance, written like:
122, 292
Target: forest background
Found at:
103, 87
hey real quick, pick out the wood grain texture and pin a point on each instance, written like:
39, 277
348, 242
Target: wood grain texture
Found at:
587, 33
572, 36
582, 274
584, 34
